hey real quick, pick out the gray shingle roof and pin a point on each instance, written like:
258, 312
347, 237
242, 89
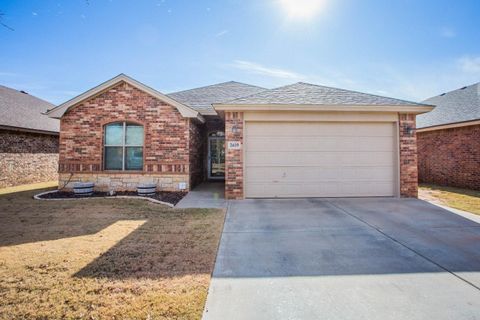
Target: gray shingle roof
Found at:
455, 106
24, 111
306, 93
201, 99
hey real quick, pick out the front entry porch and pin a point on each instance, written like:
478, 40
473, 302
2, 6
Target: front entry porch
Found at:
205, 195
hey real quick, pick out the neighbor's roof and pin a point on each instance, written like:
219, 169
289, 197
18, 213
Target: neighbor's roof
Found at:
20, 110
310, 94
452, 107
201, 99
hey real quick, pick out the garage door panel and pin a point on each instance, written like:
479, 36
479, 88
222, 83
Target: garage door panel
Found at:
335, 143
319, 174
320, 159
309, 129
334, 189
304, 159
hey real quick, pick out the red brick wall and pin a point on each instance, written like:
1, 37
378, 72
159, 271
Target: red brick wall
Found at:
27, 158
450, 157
167, 133
234, 158
408, 156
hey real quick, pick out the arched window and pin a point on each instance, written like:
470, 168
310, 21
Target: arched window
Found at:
123, 146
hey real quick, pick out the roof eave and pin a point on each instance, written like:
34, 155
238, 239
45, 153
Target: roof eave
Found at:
30, 130
450, 125
184, 110
321, 107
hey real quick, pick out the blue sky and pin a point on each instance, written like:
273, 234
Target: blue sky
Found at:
407, 49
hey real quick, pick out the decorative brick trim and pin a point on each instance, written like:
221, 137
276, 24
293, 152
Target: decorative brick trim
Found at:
95, 167
234, 157
408, 156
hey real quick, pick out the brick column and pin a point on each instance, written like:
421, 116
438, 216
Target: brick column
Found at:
408, 156
234, 157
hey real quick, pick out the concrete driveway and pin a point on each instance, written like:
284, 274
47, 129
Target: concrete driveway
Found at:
345, 259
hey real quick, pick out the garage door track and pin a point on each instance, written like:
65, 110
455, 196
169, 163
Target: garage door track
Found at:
376, 258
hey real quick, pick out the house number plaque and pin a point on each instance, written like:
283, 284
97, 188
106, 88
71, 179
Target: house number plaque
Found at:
234, 145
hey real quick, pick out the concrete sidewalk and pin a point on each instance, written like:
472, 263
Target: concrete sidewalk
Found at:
205, 195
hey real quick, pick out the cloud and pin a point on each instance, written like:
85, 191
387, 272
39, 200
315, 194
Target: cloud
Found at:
447, 32
469, 64
415, 82
9, 74
221, 33
256, 68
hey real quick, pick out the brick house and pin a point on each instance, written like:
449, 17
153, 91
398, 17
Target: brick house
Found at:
449, 139
301, 140
28, 139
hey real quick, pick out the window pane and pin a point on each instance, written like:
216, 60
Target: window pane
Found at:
134, 135
114, 134
113, 158
134, 158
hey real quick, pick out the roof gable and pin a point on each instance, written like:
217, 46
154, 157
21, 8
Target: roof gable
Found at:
202, 98
20, 110
184, 110
459, 105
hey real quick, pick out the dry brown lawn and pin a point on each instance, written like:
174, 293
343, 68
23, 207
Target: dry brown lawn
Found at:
463, 199
104, 259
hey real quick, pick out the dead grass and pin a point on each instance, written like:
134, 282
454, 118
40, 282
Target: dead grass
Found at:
462, 199
27, 187
104, 259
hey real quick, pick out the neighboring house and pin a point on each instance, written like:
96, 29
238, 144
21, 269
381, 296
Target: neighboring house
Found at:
28, 139
449, 139
300, 140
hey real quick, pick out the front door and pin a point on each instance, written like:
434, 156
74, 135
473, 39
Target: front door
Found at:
216, 157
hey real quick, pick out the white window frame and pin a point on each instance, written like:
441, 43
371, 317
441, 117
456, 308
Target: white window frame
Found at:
123, 145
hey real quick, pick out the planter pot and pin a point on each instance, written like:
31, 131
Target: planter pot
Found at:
146, 189
83, 188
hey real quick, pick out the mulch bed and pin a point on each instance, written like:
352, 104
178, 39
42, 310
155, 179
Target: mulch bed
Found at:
165, 196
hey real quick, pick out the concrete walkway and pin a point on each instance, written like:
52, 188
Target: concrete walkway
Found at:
205, 195
345, 259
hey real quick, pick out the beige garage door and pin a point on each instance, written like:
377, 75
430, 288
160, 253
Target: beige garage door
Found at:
320, 159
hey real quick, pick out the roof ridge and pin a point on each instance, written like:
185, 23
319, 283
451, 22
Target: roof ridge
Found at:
455, 90
247, 96
215, 84
355, 91
327, 87
27, 94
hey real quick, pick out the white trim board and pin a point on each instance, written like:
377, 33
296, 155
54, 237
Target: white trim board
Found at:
449, 126
321, 107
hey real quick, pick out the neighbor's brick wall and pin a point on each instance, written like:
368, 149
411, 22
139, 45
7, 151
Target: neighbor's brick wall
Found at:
196, 153
234, 158
27, 158
408, 156
450, 157
166, 132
